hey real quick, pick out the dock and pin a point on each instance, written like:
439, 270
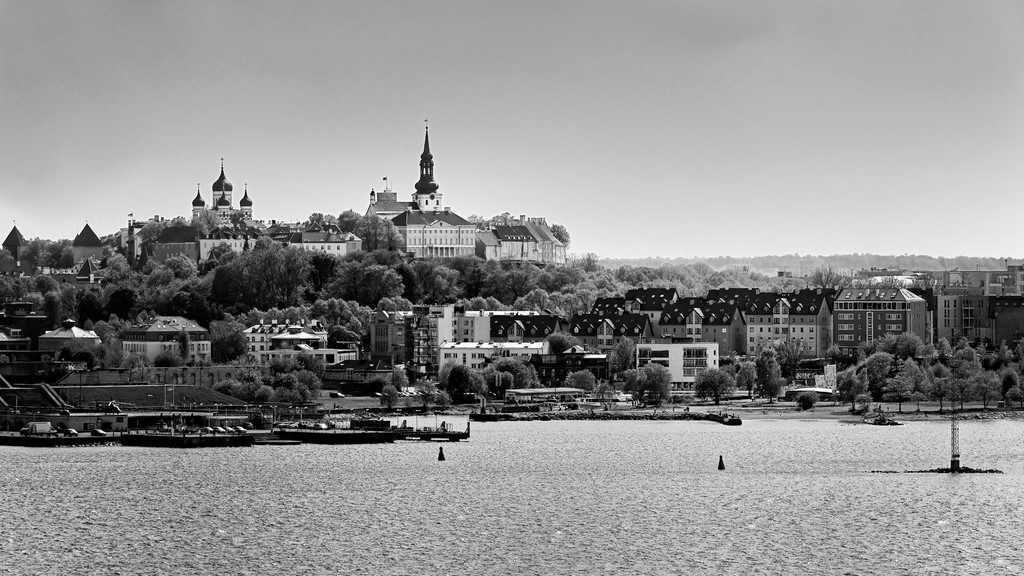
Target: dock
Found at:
186, 440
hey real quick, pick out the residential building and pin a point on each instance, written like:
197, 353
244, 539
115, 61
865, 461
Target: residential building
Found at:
552, 369
19, 315
525, 240
865, 314
479, 354
67, 334
328, 239
1006, 320
176, 241
523, 327
602, 333
163, 334
965, 316
651, 301
357, 377
267, 342
803, 318
684, 361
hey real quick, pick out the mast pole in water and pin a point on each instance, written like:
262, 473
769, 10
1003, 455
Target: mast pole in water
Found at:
954, 461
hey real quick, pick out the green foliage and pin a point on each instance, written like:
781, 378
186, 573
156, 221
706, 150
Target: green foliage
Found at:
584, 379
714, 383
559, 342
388, 395
227, 341
806, 400
769, 375
654, 384
167, 359
622, 356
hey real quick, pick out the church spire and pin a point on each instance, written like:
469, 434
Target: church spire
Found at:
426, 184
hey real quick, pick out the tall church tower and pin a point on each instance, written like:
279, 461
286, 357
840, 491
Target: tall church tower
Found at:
427, 197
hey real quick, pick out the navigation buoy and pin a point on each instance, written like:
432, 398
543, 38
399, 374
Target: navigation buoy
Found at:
440, 454
721, 463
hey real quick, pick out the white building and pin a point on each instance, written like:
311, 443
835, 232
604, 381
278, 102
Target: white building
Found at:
164, 334
267, 342
476, 355
684, 361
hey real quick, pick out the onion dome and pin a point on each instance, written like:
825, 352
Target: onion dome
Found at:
223, 201
198, 202
245, 201
222, 184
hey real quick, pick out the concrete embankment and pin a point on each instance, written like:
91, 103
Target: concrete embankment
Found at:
602, 415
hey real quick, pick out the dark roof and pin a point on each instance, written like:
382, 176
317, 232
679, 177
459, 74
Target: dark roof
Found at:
676, 312
87, 238
14, 238
762, 303
487, 238
737, 295
631, 325
652, 298
394, 206
418, 218
534, 326
177, 235
88, 267
609, 305
198, 200
245, 201
809, 302
514, 234
721, 314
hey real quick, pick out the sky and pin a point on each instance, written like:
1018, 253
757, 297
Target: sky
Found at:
655, 128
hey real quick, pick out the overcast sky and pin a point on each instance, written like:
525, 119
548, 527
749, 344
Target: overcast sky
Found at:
647, 128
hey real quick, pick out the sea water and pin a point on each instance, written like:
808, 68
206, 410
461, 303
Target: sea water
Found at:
560, 497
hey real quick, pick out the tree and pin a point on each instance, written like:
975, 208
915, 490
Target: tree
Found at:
655, 383
964, 366
561, 234
985, 386
348, 221
828, 277
788, 355
227, 341
938, 383
746, 377
769, 375
388, 396
559, 342
909, 379
714, 383
583, 379
1016, 394
622, 356
876, 370
850, 385
806, 400
167, 359
462, 381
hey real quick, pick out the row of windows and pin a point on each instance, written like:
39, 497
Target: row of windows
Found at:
871, 305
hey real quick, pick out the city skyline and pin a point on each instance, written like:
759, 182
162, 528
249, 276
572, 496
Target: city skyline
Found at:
704, 129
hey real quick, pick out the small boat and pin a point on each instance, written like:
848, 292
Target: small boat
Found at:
724, 418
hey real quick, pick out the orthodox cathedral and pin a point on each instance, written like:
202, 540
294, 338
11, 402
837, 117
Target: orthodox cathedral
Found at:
222, 206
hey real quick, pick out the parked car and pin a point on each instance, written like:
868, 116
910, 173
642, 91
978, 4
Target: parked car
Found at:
336, 395
70, 432
97, 432
219, 430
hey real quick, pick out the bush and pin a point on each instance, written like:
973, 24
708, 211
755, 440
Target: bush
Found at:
807, 400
